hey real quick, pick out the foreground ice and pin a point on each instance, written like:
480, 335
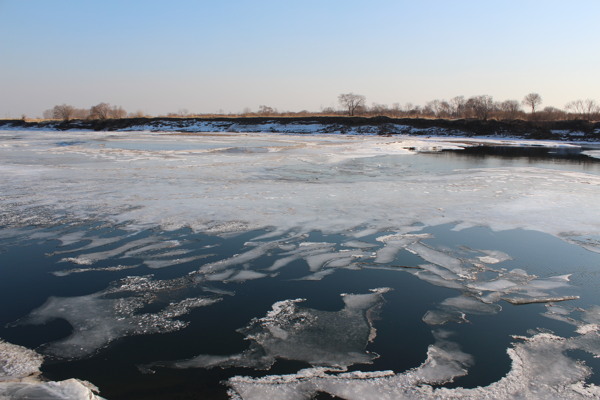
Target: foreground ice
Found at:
19, 378
541, 369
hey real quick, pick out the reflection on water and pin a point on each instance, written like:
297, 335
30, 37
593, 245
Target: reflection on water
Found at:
564, 158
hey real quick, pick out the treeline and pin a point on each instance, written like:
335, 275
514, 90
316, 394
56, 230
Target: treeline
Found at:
481, 107
66, 112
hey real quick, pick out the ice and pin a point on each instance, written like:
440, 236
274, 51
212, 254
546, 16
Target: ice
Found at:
100, 318
445, 361
438, 258
17, 362
70, 389
335, 339
317, 276
231, 198
238, 259
158, 263
493, 257
337, 260
481, 286
20, 378
90, 258
532, 300
359, 244
245, 275
591, 153
540, 369
81, 270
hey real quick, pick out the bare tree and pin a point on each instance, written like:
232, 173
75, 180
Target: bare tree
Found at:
379, 109
532, 100
552, 113
458, 106
137, 114
81, 113
586, 109
100, 111
352, 102
481, 106
48, 114
266, 110
117, 112
63, 111
510, 109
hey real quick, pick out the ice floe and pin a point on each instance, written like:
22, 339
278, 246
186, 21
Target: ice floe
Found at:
334, 339
100, 318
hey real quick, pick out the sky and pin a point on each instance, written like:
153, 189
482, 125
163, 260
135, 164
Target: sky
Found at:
223, 56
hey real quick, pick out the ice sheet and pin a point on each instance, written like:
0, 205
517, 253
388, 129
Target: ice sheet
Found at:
291, 189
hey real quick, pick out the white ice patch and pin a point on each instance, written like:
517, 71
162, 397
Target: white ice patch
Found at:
100, 318
394, 244
440, 258
81, 270
493, 257
334, 339
591, 153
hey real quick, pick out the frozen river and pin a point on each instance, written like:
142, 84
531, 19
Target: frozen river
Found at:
261, 266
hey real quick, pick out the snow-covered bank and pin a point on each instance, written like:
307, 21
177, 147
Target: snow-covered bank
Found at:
557, 130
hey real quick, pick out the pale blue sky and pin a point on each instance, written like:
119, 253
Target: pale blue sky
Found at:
206, 56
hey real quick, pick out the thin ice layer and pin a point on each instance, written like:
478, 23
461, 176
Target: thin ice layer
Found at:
335, 339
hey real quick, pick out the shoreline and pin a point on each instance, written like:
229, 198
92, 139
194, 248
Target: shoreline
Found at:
578, 130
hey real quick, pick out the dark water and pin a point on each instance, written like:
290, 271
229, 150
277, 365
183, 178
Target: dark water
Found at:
26, 283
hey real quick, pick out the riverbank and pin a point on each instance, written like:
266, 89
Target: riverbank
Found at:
554, 130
